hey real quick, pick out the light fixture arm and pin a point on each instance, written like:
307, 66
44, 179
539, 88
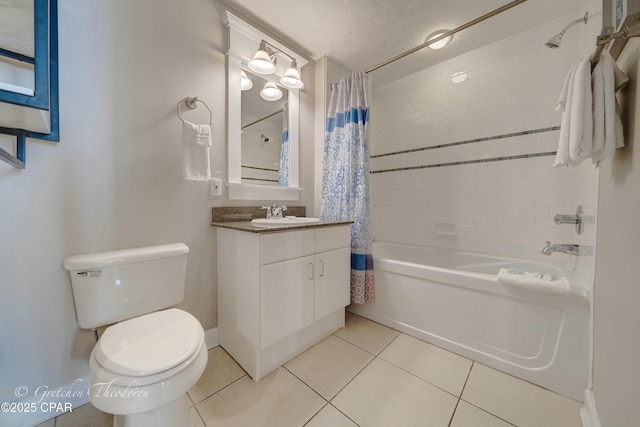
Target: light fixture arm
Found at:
271, 50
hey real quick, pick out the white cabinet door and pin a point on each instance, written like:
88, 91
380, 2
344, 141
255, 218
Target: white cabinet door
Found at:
332, 287
286, 298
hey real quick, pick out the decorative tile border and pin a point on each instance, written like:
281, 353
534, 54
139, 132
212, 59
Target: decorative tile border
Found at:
469, 141
467, 162
260, 169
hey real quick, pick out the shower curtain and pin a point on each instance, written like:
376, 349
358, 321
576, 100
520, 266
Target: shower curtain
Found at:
345, 180
283, 174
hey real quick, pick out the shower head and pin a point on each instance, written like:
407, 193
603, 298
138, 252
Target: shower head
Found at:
555, 41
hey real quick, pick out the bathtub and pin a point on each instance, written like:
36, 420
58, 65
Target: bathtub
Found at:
454, 300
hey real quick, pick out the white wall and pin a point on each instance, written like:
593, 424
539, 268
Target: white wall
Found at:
502, 207
617, 295
114, 180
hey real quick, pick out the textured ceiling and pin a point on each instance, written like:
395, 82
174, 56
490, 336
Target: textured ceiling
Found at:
360, 34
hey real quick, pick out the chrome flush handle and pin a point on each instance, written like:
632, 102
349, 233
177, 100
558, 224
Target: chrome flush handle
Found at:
90, 273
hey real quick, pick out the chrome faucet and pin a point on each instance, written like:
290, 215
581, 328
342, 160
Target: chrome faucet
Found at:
564, 248
278, 211
275, 211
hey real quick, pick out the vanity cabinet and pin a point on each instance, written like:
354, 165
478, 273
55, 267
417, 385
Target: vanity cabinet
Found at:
280, 292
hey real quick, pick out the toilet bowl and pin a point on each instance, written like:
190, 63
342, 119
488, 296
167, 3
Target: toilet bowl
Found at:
143, 365
141, 368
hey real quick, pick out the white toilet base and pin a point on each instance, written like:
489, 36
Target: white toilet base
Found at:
175, 413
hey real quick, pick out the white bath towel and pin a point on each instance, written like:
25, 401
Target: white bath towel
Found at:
576, 142
196, 140
608, 135
534, 281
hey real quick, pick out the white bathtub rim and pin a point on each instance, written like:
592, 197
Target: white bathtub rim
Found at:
578, 295
567, 268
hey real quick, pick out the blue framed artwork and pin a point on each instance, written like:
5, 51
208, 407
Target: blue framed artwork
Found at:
43, 96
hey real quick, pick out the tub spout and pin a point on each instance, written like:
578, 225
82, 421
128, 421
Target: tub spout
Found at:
564, 248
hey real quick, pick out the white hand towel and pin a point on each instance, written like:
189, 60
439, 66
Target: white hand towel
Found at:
534, 281
607, 126
196, 141
562, 155
576, 143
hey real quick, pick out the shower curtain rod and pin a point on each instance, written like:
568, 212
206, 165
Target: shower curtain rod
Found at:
447, 34
261, 119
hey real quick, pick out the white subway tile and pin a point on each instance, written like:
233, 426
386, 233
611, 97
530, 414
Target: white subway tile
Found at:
503, 207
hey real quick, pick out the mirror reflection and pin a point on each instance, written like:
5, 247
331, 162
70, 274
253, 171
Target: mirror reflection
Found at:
17, 39
264, 134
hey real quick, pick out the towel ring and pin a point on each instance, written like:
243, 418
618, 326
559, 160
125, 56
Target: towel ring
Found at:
191, 104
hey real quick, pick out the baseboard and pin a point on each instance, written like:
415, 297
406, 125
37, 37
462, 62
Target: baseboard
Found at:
588, 413
211, 338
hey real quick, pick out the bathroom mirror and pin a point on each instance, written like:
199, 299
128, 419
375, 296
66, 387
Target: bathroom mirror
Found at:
244, 41
263, 149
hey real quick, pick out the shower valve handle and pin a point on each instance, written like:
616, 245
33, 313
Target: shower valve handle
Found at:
576, 219
566, 219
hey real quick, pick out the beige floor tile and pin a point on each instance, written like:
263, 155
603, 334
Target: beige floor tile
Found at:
384, 395
368, 335
196, 417
519, 402
469, 416
433, 364
221, 371
85, 416
329, 416
48, 423
279, 399
329, 365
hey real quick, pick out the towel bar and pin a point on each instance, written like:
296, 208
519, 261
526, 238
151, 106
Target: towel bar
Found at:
191, 104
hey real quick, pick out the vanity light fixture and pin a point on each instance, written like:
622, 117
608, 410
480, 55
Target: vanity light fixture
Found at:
291, 78
264, 60
440, 43
270, 92
245, 82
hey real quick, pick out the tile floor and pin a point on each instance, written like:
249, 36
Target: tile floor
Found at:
364, 375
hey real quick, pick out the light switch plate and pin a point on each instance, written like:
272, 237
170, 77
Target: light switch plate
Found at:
216, 187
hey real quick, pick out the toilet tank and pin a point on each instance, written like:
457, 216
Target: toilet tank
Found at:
117, 285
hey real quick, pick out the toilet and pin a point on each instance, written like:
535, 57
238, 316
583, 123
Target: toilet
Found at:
142, 365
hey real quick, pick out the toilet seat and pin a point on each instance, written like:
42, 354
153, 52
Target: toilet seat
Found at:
149, 348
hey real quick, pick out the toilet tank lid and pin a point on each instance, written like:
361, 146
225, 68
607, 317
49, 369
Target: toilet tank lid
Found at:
123, 256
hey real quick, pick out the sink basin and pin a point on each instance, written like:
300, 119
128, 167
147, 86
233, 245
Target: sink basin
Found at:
284, 222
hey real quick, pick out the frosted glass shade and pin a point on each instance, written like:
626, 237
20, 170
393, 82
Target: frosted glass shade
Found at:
271, 92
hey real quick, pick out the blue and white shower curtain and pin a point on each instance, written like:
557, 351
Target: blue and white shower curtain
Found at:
345, 180
283, 174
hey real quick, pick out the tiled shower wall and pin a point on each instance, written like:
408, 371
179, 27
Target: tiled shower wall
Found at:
468, 165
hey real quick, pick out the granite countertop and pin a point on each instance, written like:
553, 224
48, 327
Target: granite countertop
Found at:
247, 226
239, 218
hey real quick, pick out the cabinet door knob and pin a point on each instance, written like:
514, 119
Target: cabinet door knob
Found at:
311, 272
321, 268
